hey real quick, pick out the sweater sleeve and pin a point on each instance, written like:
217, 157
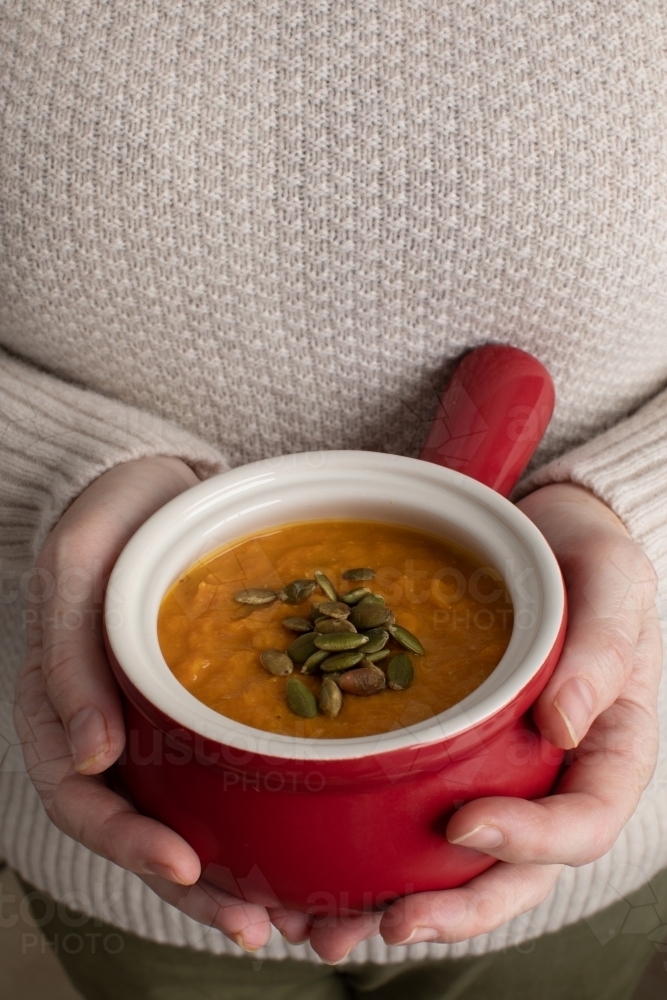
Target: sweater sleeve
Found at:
56, 438
626, 467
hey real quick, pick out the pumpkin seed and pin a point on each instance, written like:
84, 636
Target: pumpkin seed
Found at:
363, 573
276, 662
400, 672
354, 596
297, 591
341, 661
303, 647
334, 609
332, 629
331, 699
372, 599
336, 642
407, 639
325, 585
298, 624
300, 699
314, 660
255, 595
381, 654
365, 680
377, 639
327, 625
369, 615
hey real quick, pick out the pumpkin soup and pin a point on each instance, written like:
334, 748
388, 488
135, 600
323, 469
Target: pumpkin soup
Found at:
335, 628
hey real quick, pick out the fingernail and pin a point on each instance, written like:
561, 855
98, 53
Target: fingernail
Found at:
418, 935
574, 703
164, 871
337, 961
238, 938
482, 838
88, 737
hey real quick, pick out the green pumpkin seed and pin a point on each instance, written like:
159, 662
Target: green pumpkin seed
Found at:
400, 672
314, 661
325, 585
255, 595
297, 591
407, 639
369, 615
354, 596
328, 625
303, 647
276, 662
372, 599
341, 661
331, 699
334, 609
363, 573
381, 654
297, 624
377, 639
365, 680
336, 642
335, 674
300, 699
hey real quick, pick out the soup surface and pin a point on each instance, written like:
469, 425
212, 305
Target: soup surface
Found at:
458, 608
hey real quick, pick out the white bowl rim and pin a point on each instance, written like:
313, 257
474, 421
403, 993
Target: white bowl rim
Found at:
133, 635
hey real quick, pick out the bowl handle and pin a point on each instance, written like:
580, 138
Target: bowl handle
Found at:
492, 415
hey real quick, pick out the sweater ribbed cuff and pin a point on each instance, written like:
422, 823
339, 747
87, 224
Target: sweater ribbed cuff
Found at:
626, 467
56, 438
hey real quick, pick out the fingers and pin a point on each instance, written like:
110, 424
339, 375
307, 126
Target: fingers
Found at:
65, 645
65, 612
478, 907
104, 822
68, 668
247, 924
597, 794
611, 587
294, 926
608, 604
81, 687
334, 937
68, 640
83, 807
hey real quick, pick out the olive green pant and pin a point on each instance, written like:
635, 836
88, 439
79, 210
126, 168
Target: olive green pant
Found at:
601, 958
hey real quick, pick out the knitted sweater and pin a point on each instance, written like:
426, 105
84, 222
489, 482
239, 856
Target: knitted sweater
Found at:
231, 230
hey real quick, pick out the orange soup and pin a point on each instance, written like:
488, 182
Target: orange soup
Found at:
457, 608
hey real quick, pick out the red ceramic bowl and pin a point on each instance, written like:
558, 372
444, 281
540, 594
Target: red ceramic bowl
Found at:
340, 825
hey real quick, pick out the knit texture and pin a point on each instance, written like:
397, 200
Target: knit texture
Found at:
251, 229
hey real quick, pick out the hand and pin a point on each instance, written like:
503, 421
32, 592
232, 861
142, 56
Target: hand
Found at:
600, 704
68, 713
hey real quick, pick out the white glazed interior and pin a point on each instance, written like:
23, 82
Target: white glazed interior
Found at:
354, 484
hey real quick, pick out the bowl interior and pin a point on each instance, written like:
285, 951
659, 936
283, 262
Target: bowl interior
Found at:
359, 485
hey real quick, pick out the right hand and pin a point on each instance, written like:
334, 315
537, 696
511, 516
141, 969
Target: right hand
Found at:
68, 713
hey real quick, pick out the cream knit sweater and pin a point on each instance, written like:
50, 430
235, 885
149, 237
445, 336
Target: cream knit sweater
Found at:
231, 230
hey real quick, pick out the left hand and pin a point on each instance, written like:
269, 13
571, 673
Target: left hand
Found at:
68, 712
600, 703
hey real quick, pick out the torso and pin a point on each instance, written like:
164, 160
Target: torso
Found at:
278, 226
